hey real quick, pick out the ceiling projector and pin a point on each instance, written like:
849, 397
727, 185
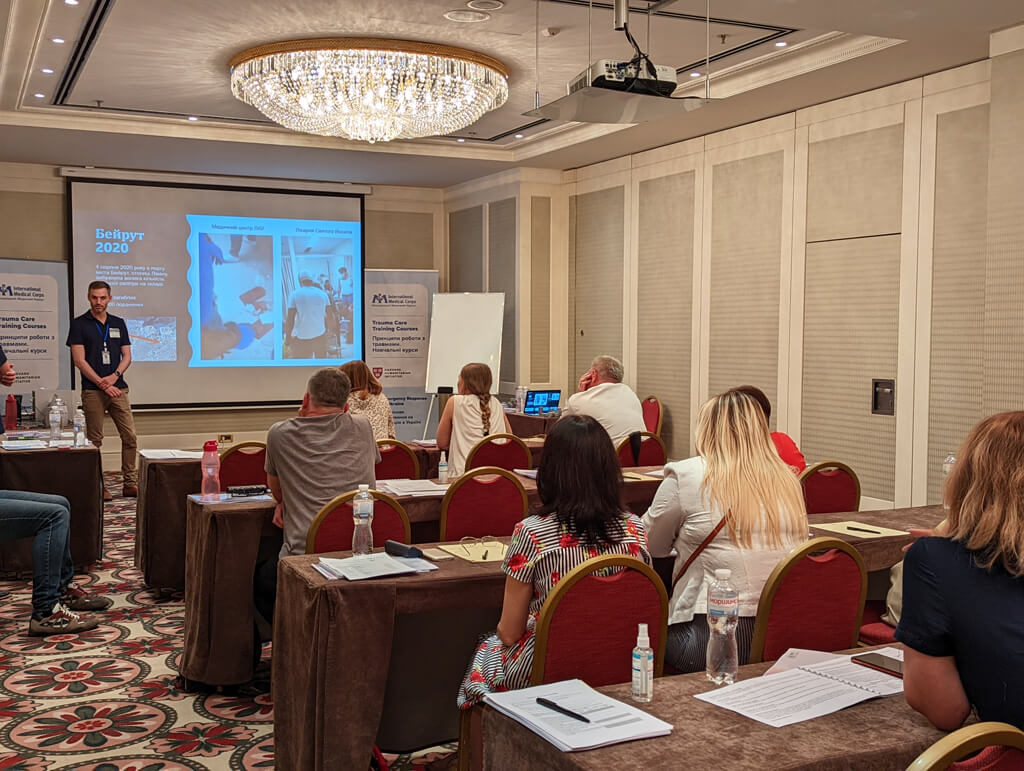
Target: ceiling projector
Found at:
626, 76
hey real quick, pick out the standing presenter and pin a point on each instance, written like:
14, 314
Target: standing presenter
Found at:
102, 352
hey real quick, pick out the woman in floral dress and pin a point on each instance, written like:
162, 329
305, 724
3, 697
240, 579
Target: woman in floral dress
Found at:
580, 517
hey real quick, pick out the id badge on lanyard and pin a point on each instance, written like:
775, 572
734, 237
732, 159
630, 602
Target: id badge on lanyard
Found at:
106, 355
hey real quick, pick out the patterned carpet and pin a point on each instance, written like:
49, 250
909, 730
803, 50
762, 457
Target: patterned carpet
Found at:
105, 700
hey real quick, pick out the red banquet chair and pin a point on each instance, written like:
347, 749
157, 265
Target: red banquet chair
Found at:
483, 501
829, 487
587, 626
652, 451
874, 631
243, 464
505, 451
332, 528
397, 461
653, 414
1001, 745
812, 601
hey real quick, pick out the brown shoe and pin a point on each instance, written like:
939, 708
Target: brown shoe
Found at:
130, 491
106, 495
60, 621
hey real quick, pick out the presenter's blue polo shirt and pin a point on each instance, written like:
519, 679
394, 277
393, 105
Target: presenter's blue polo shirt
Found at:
87, 331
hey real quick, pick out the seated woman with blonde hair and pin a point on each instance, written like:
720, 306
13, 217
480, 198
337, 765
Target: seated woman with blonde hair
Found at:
737, 505
469, 416
962, 626
367, 398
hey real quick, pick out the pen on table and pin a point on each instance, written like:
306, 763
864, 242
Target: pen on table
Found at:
863, 530
558, 708
485, 553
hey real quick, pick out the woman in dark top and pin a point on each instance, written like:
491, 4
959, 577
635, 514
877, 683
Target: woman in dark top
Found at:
963, 595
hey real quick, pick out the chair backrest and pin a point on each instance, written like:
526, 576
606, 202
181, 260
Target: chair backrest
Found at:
506, 451
243, 464
397, 461
1001, 745
483, 501
333, 527
812, 601
588, 623
830, 486
653, 414
652, 450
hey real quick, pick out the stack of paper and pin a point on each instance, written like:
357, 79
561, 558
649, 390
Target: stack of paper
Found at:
417, 488
375, 565
477, 551
170, 454
425, 442
610, 721
25, 444
806, 692
529, 473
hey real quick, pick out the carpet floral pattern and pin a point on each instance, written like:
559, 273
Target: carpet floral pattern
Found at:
105, 700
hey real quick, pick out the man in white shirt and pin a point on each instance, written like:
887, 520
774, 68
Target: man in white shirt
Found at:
306, 325
604, 397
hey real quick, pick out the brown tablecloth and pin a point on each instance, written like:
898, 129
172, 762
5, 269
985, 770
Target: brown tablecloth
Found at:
877, 734
75, 474
333, 646
160, 519
225, 540
529, 425
881, 553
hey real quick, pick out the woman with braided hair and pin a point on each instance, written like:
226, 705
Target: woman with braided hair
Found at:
469, 416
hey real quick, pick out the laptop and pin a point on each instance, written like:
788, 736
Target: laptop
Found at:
540, 402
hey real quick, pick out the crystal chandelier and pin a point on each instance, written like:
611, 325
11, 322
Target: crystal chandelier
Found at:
371, 89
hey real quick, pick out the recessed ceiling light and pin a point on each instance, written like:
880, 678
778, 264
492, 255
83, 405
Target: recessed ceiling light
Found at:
40, 96
781, 44
694, 74
519, 136
47, 71
467, 17
485, 5
192, 117
70, 2
58, 40
460, 139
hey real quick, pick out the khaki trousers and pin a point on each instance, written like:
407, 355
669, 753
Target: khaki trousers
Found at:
94, 404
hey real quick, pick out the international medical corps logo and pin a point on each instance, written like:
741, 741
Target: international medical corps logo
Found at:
380, 298
6, 290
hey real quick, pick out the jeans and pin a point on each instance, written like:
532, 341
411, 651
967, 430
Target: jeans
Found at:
47, 520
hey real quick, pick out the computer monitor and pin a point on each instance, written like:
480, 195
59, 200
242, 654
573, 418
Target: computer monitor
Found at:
540, 402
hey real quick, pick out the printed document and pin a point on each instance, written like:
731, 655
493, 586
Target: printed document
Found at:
376, 565
611, 721
417, 488
806, 692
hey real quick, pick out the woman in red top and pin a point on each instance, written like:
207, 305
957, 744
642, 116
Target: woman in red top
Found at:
785, 446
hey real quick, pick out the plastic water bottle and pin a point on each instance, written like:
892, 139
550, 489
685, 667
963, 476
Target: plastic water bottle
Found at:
54, 425
643, 666
211, 472
79, 428
947, 467
10, 413
442, 469
520, 398
362, 518
723, 615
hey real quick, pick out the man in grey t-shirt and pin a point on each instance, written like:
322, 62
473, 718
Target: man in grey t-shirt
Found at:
310, 460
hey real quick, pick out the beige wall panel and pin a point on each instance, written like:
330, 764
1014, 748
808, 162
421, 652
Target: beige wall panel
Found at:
540, 289
570, 359
32, 225
851, 313
855, 185
398, 239
746, 243
665, 307
466, 250
501, 277
956, 379
1004, 267
597, 265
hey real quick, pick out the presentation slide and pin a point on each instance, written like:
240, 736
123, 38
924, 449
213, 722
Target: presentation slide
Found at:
230, 296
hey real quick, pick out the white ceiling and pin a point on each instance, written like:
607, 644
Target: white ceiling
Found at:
151, 63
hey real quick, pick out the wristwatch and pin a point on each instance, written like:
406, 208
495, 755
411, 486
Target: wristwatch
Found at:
117, 372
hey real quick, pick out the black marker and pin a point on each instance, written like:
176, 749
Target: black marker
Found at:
557, 708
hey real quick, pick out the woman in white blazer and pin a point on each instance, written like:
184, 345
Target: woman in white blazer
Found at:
738, 484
